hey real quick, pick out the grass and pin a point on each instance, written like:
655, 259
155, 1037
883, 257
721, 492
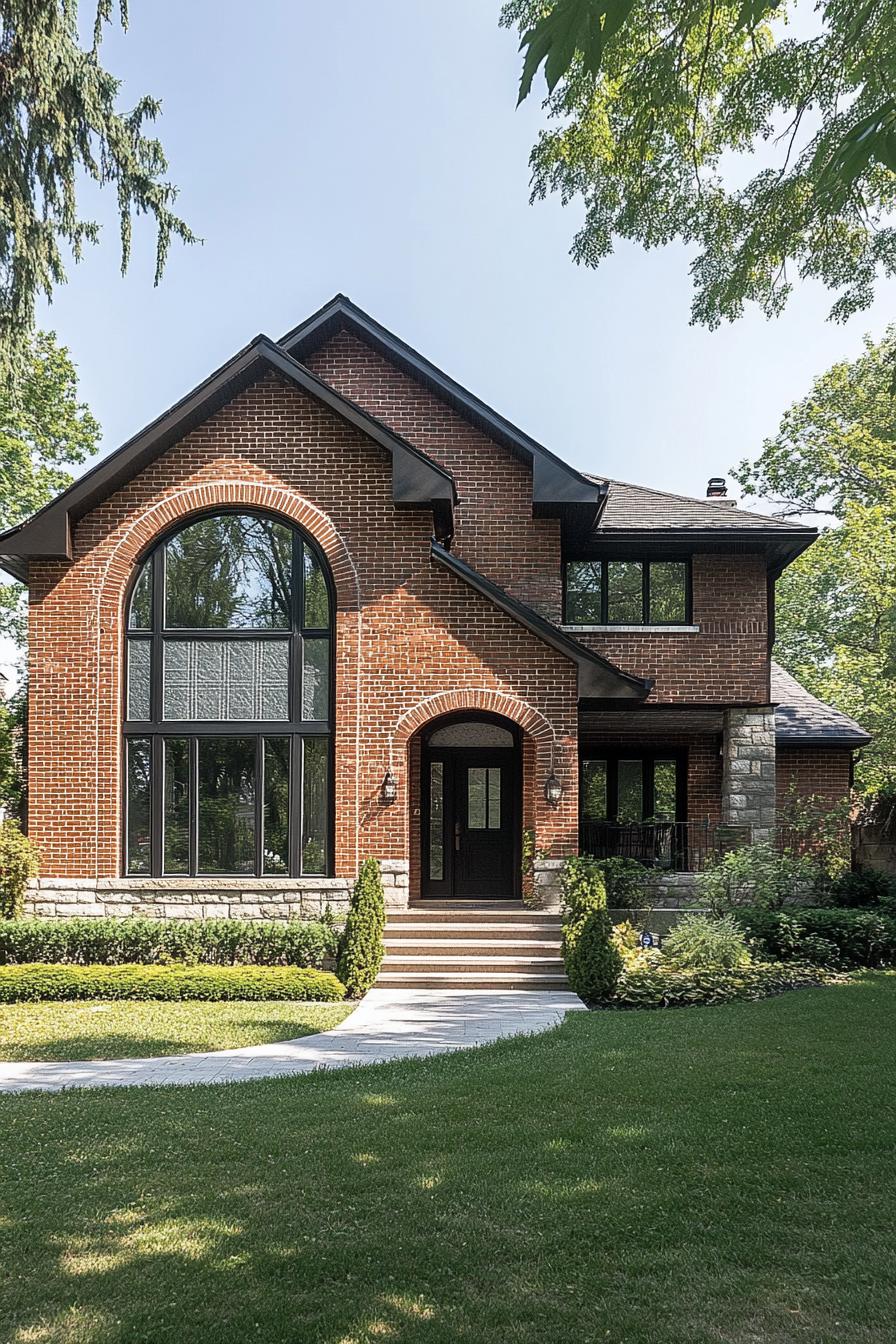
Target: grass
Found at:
694, 1176
127, 1030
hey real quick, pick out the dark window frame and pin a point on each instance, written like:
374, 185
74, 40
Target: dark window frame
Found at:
648, 758
156, 729
646, 562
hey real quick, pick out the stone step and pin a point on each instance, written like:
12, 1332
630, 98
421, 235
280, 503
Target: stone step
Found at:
470, 980
550, 960
478, 947
478, 918
521, 933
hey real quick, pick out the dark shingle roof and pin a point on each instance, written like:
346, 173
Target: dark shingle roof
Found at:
637, 506
800, 717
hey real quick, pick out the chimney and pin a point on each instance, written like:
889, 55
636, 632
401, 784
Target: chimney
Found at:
716, 488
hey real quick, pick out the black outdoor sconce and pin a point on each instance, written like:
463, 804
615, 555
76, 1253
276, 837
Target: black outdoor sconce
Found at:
553, 790
389, 789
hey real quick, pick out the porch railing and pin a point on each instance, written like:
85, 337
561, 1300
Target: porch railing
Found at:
671, 846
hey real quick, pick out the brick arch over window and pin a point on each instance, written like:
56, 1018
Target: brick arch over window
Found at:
141, 532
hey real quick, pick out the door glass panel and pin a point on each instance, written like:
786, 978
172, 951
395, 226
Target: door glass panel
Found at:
221, 679
226, 804
315, 679
630, 806
494, 798
436, 821
276, 806
476, 798
594, 790
668, 592
315, 771
232, 572
139, 656
177, 806
665, 790
625, 604
138, 768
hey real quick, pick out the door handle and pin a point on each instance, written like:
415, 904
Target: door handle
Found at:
457, 835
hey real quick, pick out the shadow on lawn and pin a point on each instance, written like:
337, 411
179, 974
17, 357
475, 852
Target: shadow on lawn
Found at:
646, 1178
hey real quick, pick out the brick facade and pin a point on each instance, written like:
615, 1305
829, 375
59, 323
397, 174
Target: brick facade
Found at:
814, 772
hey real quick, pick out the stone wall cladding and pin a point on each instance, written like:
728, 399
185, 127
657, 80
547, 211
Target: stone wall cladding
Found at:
188, 898
404, 630
748, 770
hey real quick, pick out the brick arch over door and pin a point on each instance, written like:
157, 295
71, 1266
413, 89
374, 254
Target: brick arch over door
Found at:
118, 570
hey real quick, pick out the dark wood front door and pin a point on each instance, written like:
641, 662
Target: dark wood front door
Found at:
470, 815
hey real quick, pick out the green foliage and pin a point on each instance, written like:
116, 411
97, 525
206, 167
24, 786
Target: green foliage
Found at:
627, 941
655, 99
626, 883
698, 942
59, 127
216, 942
361, 946
593, 962
864, 889
42, 980
834, 456
758, 875
18, 863
661, 985
860, 937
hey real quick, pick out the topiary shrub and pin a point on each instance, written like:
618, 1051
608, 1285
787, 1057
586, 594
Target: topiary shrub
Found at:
18, 863
361, 945
704, 941
28, 984
593, 962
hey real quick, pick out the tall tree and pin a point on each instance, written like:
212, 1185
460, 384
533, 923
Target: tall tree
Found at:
835, 456
660, 105
58, 125
44, 429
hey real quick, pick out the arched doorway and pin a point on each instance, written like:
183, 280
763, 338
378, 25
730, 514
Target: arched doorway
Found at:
471, 808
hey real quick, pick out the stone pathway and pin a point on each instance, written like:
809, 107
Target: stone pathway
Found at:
387, 1024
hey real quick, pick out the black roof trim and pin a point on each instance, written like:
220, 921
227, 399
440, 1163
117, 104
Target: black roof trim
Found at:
417, 481
597, 676
554, 482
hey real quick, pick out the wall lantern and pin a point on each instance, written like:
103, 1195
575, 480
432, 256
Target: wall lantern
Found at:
553, 789
389, 789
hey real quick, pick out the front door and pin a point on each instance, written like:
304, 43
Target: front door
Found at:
470, 815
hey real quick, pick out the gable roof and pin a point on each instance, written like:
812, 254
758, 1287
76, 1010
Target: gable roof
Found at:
554, 482
598, 678
417, 481
800, 717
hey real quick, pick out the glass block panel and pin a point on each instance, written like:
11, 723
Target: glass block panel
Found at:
625, 594
315, 679
177, 805
275, 858
436, 821
477, 804
668, 592
593, 802
665, 790
315, 771
583, 598
140, 614
139, 663
630, 805
230, 572
226, 679
494, 798
226, 805
472, 735
317, 599
139, 775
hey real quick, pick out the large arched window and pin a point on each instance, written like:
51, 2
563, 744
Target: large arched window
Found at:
228, 715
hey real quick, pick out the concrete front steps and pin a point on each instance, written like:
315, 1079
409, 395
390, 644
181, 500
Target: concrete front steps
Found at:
472, 945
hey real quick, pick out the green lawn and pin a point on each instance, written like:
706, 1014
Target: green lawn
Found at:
130, 1029
682, 1177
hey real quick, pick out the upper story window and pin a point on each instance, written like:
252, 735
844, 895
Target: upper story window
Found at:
627, 592
228, 705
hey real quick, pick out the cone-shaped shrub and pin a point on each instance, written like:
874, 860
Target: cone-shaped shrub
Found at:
361, 945
593, 963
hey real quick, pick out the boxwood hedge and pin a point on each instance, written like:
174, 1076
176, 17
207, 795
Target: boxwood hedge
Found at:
40, 980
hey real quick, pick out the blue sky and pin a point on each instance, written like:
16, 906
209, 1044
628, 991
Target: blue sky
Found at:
375, 149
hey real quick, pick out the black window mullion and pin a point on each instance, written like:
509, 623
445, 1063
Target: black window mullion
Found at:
193, 864
259, 806
156, 670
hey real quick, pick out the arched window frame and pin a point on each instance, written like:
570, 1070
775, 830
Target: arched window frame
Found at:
155, 729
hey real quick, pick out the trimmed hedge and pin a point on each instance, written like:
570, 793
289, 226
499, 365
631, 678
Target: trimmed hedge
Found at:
216, 942
39, 980
845, 937
658, 985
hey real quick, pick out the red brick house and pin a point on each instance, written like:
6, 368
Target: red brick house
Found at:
331, 605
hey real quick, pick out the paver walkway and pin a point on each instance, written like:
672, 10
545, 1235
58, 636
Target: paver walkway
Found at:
387, 1024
